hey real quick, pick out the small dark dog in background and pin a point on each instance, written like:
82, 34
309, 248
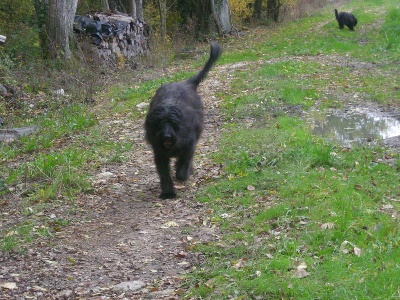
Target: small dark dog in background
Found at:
174, 124
347, 19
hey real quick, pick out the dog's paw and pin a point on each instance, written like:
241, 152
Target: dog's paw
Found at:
168, 195
182, 176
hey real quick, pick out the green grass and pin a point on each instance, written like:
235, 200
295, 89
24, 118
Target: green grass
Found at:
51, 168
391, 30
290, 198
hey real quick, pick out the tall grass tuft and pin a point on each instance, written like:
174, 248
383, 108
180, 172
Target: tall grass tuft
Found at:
391, 29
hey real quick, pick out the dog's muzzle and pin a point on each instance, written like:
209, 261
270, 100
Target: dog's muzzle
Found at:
168, 141
168, 137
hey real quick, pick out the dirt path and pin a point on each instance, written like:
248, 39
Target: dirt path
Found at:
129, 244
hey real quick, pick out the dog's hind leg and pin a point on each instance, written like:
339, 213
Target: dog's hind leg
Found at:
167, 186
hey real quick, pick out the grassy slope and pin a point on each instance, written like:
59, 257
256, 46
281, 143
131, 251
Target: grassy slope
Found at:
291, 201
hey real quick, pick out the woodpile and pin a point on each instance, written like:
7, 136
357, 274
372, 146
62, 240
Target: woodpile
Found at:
113, 37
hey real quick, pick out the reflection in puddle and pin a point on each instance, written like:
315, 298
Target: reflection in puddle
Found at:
353, 127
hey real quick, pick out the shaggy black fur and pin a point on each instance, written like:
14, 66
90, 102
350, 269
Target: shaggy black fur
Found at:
345, 18
174, 124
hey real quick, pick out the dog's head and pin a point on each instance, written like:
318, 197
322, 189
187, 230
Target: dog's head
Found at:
162, 126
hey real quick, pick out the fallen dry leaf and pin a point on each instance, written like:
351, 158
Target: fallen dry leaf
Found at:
268, 255
9, 285
170, 224
328, 225
343, 247
181, 254
302, 266
39, 288
387, 206
241, 263
300, 273
210, 283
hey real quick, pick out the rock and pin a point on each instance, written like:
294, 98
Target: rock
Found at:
15, 133
3, 90
65, 294
8, 285
128, 286
142, 105
105, 175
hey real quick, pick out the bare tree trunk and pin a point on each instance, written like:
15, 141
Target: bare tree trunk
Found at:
257, 9
59, 26
139, 10
105, 5
118, 6
132, 8
215, 15
55, 18
273, 7
222, 16
163, 18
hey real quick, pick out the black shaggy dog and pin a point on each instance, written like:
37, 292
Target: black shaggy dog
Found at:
345, 18
174, 124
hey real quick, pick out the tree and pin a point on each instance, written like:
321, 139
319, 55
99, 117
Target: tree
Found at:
132, 7
257, 9
139, 10
55, 19
273, 7
105, 5
222, 16
162, 5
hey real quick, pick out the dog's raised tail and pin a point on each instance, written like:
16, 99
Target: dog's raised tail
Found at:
336, 14
215, 53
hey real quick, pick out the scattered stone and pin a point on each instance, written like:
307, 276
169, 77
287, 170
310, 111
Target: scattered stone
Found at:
65, 294
11, 134
142, 105
3, 90
8, 285
128, 286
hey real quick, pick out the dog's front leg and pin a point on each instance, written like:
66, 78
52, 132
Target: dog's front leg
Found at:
167, 186
184, 163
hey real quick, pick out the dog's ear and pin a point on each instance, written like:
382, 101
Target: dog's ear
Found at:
155, 115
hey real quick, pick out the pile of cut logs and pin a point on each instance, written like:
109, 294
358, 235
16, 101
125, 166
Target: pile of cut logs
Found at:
112, 36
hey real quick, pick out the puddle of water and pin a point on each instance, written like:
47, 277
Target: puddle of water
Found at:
355, 126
